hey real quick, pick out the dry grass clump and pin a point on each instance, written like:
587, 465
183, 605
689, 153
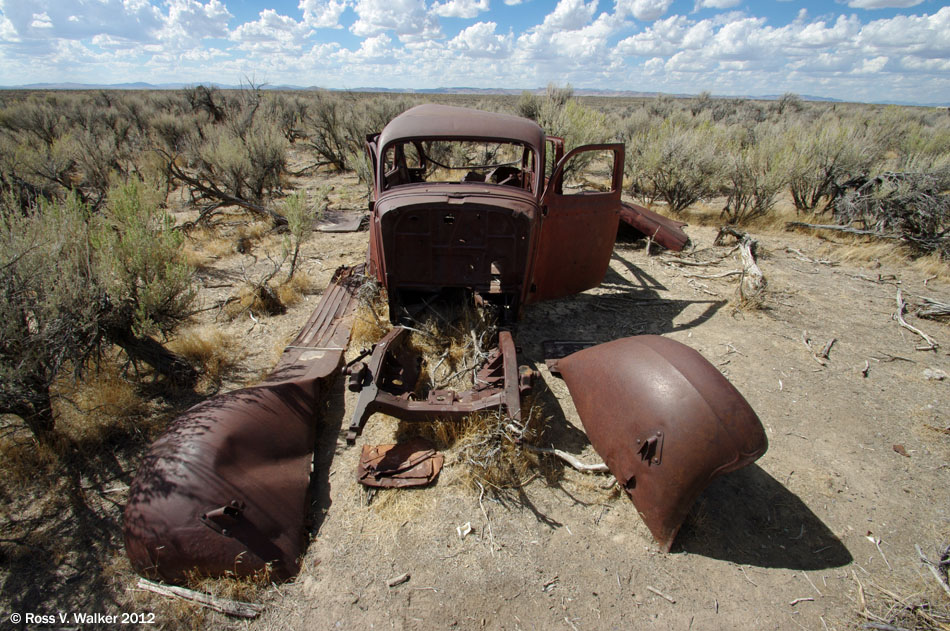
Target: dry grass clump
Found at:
925, 608
290, 291
104, 404
22, 458
486, 446
371, 320
211, 348
454, 342
258, 300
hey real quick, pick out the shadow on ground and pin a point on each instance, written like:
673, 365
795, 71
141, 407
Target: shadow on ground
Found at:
748, 517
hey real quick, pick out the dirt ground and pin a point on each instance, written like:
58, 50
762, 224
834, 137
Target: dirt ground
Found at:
822, 526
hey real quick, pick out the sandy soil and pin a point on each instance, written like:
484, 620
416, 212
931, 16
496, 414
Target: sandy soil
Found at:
788, 542
563, 552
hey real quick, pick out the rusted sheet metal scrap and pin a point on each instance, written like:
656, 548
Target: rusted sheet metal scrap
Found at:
664, 420
224, 489
414, 462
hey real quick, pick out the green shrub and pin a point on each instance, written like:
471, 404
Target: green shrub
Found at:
677, 161
757, 170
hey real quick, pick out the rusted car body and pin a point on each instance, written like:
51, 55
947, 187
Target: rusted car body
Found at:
467, 205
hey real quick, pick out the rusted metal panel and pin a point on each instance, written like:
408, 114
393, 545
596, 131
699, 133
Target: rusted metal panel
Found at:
665, 231
414, 462
387, 382
224, 489
664, 420
431, 121
577, 234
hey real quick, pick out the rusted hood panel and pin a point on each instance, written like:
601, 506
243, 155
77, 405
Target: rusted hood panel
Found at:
224, 489
664, 420
665, 231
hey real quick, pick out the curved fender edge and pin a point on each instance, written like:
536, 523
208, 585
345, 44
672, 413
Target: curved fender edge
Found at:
665, 421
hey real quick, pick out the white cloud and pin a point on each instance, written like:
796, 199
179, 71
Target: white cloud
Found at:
75, 19
715, 4
645, 10
569, 15
322, 13
460, 8
883, 4
190, 21
271, 31
480, 40
408, 18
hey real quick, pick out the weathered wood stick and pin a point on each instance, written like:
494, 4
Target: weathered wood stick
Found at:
234, 608
598, 467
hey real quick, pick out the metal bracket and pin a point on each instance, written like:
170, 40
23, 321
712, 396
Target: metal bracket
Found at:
651, 448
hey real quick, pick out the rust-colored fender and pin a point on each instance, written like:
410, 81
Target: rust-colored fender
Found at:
664, 420
665, 231
224, 489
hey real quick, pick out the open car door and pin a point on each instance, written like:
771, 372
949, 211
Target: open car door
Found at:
578, 228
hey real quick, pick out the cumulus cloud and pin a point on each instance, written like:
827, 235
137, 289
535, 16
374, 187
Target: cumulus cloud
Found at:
191, 21
409, 19
645, 10
480, 40
322, 13
883, 4
271, 31
460, 8
569, 15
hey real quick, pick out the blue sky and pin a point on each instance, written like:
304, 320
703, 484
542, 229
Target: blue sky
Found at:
865, 50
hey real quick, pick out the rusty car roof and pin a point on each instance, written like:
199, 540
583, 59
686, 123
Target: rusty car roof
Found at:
445, 121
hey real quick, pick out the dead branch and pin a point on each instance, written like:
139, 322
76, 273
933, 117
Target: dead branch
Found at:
598, 467
735, 272
753, 280
234, 608
933, 569
934, 309
899, 316
837, 228
208, 189
827, 349
801, 257
661, 594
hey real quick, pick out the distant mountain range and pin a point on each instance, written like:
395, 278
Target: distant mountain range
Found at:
453, 90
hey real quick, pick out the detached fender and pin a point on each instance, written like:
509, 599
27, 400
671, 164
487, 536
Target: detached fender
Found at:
665, 231
664, 420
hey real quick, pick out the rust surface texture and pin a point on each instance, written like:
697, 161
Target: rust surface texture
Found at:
387, 381
414, 462
224, 489
665, 231
664, 420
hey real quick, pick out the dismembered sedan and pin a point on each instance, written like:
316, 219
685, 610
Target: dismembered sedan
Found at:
471, 207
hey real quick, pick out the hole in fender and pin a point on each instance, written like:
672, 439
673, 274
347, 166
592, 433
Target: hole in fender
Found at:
630, 484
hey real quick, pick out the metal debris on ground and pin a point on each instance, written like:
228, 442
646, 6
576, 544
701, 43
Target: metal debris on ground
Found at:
411, 463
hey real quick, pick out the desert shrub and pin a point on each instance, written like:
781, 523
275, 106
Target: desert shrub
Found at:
72, 280
325, 132
756, 171
139, 261
560, 114
50, 304
676, 161
337, 126
300, 217
826, 155
913, 206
